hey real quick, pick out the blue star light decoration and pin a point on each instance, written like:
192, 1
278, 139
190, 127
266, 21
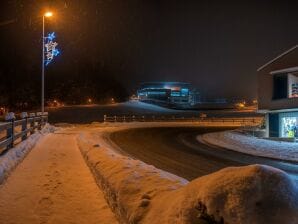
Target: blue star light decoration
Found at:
50, 48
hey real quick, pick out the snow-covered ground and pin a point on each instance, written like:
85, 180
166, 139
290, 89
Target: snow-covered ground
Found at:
14, 156
140, 193
251, 145
53, 185
150, 107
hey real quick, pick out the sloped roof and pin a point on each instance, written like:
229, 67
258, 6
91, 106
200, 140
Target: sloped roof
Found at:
278, 57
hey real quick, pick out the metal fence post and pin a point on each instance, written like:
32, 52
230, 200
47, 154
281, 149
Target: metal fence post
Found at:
32, 123
24, 116
10, 117
39, 121
46, 117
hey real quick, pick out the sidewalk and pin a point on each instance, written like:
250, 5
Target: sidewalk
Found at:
53, 185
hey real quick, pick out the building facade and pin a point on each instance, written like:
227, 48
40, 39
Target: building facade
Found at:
278, 94
172, 94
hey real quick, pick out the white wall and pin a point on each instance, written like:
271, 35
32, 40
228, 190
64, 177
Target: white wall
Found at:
292, 79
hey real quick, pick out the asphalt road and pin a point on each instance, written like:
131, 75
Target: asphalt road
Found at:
94, 113
177, 151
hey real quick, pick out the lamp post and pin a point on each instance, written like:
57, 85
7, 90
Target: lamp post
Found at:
46, 15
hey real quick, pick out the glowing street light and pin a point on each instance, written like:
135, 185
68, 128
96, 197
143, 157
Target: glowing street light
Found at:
45, 15
48, 14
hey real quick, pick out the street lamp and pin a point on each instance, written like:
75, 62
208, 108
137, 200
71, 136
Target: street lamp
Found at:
45, 15
48, 14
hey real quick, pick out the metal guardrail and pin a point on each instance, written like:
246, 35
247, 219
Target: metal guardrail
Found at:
248, 121
13, 131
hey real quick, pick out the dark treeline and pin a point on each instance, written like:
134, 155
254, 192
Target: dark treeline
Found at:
77, 87
23, 92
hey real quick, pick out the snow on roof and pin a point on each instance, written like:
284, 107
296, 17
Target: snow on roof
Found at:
278, 57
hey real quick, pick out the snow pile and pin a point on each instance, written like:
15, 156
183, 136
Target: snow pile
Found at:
242, 195
10, 116
140, 193
10, 159
252, 145
129, 185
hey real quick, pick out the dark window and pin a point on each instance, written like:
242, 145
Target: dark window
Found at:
280, 86
273, 125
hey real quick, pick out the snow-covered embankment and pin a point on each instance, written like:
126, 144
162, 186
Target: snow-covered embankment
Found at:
139, 193
14, 156
252, 145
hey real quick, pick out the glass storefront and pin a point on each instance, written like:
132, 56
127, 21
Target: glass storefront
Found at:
289, 125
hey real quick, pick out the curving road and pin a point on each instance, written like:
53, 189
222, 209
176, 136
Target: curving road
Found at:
176, 150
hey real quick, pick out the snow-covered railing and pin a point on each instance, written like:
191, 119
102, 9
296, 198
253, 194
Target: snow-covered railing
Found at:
247, 121
13, 131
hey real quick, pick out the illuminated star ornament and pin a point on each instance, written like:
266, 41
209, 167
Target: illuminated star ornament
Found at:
50, 48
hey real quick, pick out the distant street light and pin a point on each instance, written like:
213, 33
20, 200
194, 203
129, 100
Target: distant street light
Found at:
47, 14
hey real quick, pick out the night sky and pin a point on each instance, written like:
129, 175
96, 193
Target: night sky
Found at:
215, 45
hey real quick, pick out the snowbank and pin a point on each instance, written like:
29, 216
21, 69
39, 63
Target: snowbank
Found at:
252, 145
242, 195
128, 184
148, 106
140, 193
14, 156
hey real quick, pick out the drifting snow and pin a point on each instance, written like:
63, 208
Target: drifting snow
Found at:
140, 193
14, 156
252, 145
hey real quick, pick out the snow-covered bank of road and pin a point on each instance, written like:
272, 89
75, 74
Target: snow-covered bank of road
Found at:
147, 106
251, 145
14, 156
140, 193
53, 185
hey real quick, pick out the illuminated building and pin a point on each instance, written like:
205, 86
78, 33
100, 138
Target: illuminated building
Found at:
278, 94
173, 94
